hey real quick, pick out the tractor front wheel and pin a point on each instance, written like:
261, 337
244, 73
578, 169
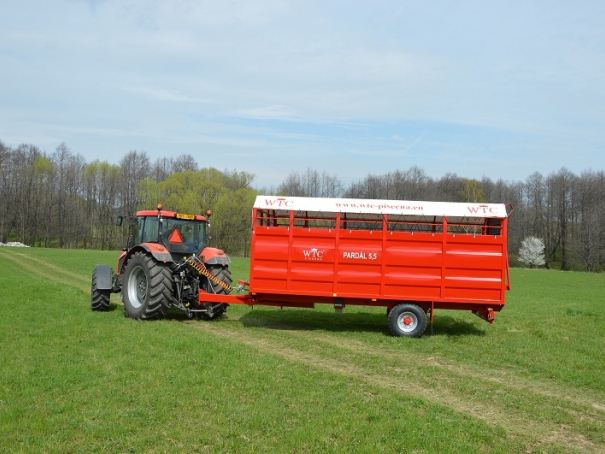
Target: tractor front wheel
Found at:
407, 320
146, 287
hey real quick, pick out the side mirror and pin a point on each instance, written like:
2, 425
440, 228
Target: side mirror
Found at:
119, 221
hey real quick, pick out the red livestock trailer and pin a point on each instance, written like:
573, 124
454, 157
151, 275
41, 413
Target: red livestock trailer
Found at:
410, 257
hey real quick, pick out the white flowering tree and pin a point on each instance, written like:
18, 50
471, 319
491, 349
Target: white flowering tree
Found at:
532, 251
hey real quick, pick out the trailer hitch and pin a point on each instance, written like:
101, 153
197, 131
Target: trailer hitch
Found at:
242, 286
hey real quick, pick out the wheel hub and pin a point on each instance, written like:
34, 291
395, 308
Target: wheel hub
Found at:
407, 322
137, 287
142, 288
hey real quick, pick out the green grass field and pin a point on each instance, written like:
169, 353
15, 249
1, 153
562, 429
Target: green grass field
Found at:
271, 380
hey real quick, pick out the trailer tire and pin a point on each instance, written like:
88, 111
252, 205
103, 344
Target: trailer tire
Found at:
147, 287
407, 320
99, 299
216, 310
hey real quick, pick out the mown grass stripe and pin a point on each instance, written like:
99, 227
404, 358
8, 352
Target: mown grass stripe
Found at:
44, 269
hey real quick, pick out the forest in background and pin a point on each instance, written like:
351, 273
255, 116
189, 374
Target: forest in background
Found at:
59, 200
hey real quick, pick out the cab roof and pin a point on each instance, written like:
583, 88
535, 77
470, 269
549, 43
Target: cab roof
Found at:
172, 215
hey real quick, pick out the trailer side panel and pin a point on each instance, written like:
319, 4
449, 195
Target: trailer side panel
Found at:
380, 253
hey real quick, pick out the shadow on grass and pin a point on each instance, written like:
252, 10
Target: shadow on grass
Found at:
356, 322
311, 321
446, 325
113, 307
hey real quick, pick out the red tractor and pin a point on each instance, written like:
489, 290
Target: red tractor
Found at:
166, 264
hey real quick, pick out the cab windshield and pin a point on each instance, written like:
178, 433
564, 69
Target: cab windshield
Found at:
178, 235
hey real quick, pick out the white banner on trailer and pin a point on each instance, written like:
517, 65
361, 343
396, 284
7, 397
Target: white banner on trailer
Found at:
395, 207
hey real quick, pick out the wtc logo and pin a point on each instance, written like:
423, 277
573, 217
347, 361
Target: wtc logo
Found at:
279, 202
483, 209
313, 254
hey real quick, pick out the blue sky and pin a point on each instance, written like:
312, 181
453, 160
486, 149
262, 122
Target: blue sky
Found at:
498, 89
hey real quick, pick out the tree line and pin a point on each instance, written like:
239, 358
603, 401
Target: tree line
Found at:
59, 200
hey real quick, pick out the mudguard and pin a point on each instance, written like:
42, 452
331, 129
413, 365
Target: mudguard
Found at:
157, 251
104, 277
214, 256
121, 261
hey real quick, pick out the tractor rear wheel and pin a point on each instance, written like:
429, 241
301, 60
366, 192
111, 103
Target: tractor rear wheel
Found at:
99, 299
407, 320
146, 287
215, 310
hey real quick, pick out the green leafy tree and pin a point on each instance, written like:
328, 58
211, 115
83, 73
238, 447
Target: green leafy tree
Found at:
470, 191
232, 221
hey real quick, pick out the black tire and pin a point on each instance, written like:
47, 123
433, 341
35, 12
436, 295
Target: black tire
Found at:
146, 287
99, 299
216, 310
407, 320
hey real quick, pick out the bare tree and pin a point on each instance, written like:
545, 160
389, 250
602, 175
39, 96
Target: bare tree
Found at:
535, 192
161, 169
311, 184
6, 198
560, 190
135, 168
448, 188
589, 195
184, 163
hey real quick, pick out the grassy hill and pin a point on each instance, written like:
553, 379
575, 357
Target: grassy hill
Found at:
270, 380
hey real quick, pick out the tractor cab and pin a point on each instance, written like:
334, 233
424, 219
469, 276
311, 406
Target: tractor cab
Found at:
182, 234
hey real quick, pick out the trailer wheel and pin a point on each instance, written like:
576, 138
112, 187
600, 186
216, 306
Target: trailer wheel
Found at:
407, 320
147, 288
216, 310
99, 299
